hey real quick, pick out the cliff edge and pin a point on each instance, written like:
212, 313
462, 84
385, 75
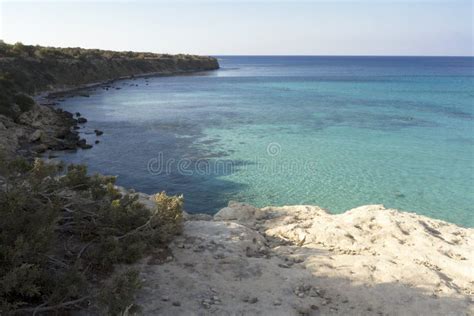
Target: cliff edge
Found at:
37, 68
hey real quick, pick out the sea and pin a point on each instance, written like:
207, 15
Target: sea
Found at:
334, 131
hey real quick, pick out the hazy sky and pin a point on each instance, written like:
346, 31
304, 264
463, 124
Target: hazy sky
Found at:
265, 27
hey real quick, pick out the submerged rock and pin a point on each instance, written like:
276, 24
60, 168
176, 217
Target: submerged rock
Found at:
82, 144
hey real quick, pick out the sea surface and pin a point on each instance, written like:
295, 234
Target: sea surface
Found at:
338, 132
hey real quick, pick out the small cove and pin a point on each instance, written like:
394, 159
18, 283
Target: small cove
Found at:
338, 132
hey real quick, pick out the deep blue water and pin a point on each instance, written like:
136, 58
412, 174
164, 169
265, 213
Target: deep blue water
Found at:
338, 132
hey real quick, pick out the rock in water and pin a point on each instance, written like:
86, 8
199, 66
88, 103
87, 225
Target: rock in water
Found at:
82, 144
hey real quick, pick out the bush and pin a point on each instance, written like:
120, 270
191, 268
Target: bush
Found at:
20, 50
25, 102
60, 233
9, 97
7, 92
117, 295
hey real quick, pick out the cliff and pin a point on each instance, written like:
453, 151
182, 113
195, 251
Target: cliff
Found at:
37, 68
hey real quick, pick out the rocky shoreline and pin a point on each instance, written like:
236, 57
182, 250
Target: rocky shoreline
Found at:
302, 260
51, 74
71, 90
47, 127
40, 129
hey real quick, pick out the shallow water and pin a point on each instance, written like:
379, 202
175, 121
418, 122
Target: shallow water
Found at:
338, 132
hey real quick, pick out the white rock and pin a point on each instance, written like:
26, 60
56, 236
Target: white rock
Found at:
36, 136
389, 261
240, 212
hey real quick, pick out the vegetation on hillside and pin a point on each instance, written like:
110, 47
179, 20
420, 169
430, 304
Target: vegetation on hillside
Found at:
41, 52
12, 101
63, 231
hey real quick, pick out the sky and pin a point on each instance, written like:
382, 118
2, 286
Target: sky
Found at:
265, 27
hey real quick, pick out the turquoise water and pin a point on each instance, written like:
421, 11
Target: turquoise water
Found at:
338, 132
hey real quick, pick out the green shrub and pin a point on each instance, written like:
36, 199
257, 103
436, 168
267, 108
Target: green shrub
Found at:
7, 92
168, 218
9, 97
20, 50
117, 296
25, 102
59, 233
26, 237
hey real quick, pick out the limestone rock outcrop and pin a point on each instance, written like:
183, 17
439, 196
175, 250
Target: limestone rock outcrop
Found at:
302, 260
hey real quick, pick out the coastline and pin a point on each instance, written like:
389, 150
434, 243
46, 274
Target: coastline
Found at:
62, 117
60, 92
48, 127
69, 92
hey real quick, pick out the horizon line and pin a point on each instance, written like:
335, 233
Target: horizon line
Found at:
324, 55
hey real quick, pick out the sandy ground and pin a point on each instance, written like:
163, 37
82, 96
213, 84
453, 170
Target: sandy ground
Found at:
300, 260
